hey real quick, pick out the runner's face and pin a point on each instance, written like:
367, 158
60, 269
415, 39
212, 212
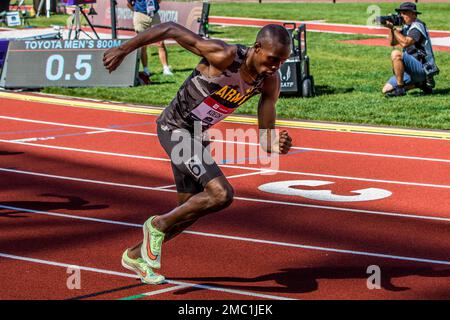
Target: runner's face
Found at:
270, 58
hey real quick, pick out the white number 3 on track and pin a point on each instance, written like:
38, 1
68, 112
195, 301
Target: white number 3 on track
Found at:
286, 188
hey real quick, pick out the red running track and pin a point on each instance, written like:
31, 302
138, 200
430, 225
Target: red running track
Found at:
77, 196
314, 26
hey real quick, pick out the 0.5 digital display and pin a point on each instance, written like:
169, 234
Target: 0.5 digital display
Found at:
68, 63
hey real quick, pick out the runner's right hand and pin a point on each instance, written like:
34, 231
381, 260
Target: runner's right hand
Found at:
112, 58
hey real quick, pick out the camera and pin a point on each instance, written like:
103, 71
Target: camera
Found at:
395, 19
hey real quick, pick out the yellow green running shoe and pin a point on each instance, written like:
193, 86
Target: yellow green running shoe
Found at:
142, 269
152, 243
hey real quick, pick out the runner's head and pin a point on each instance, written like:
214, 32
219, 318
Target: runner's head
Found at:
272, 48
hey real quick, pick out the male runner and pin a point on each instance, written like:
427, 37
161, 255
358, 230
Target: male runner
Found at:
226, 77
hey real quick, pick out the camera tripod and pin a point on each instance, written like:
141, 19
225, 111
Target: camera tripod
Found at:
76, 24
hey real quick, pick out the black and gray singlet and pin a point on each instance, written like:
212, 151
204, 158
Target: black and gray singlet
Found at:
210, 99
206, 100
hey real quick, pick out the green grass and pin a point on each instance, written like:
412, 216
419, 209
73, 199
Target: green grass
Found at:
348, 82
42, 21
436, 15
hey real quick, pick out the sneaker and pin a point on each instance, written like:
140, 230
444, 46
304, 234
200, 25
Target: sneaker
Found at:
166, 71
142, 269
397, 92
152, 243
429, 82
143, 79
147, 72
426, 89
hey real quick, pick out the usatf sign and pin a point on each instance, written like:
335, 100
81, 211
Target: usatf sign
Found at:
289, 76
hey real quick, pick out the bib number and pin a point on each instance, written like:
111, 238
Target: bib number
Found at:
209, 112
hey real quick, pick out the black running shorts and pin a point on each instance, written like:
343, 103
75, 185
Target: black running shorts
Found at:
192, 164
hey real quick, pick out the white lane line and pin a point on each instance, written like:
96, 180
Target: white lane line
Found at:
225, 141
238, 198
35, 139
378, 213
77, 126
85, 151
99, 131
244, 239
302, 246
113, 184
285, 203
208, 287
268, 171
309, 125
128, 275
369, 154
247, 293
247, 174
168, 187
156, 292
382, 155
68, 216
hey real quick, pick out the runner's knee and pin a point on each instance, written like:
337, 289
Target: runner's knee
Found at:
221, 196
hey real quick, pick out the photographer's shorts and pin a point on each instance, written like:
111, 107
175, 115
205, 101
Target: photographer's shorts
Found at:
414, 72
194, 167
141, 21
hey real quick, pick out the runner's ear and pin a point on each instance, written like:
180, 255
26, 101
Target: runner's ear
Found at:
257, 46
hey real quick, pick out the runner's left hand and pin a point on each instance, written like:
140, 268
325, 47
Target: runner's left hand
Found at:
285, 142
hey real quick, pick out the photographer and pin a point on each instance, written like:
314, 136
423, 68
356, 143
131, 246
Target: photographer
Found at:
414, 66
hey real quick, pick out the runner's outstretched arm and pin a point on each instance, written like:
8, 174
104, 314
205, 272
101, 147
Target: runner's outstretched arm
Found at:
267, 116
217, 52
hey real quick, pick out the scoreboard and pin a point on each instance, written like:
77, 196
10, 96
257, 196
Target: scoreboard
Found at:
65, 63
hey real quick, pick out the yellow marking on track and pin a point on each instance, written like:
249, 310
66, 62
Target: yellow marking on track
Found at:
438, 134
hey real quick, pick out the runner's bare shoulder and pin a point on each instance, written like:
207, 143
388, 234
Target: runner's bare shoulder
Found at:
218, 53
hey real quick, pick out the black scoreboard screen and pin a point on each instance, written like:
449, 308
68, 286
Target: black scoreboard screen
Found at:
65, 63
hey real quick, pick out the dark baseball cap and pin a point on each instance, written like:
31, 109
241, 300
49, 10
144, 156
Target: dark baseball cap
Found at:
408, 6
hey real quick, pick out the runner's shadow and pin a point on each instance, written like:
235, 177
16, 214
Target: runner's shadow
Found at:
304, 280
7, 153
72, 203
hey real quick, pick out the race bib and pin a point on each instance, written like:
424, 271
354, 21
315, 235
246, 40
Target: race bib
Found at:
209, 112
